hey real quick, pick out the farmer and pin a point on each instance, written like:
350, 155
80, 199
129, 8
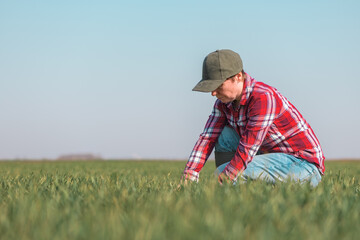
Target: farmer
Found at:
257, 133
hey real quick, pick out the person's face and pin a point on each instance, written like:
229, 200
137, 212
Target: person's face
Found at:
229, 91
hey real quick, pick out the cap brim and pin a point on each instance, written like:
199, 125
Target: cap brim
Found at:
207, 85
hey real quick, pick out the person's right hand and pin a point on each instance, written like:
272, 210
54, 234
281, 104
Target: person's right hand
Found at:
183, 182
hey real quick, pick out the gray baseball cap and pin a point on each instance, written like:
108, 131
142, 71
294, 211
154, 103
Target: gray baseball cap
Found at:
217, 67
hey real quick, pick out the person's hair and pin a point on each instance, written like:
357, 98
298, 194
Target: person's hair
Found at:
243, 73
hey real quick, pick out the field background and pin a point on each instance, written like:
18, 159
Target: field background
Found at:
140, 200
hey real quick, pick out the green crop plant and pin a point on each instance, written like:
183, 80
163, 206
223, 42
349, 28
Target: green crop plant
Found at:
141, 200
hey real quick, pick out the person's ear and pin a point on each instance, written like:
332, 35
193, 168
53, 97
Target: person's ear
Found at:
238, 77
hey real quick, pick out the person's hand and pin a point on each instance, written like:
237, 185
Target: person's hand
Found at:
183, 182
223, 178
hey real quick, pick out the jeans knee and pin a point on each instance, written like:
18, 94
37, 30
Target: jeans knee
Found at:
228, 140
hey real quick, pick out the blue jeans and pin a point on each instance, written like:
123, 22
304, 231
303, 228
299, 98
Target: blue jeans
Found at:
269, 167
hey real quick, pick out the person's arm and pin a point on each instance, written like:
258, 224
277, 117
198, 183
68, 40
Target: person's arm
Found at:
261, 114
205, 143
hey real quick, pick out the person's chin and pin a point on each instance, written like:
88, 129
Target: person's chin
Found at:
224, 100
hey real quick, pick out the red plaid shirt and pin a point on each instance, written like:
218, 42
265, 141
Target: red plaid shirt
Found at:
265, 120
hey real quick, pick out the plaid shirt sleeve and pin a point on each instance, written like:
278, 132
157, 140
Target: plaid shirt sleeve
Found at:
262, 112
205, 143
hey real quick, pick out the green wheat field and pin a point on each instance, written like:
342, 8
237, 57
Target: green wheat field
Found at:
141, 200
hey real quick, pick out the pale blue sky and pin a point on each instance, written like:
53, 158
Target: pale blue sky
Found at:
114, 78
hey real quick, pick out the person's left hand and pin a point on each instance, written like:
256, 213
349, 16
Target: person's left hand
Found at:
223, 178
